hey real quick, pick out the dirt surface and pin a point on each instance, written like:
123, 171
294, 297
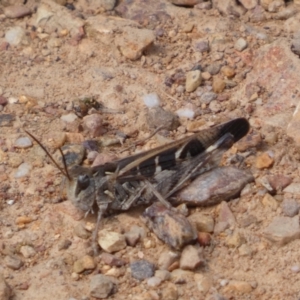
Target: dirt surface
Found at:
116, 54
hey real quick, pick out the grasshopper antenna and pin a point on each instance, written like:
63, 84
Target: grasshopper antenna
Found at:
63, 171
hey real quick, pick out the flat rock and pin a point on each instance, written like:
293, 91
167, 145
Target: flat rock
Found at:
102, 286
283, 230
215, 186
133, 41
202, 222
172, 228
191, 258
111, 241
166, 259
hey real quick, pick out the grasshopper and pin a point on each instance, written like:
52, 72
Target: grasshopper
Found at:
156, 174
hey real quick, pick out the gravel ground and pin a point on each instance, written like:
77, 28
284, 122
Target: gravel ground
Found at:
96, 77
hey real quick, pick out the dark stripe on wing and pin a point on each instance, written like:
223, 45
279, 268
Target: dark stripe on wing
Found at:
238, 128
167, 159
192, 148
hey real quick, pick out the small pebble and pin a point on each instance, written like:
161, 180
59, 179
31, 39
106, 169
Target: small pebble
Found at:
102, 286
218, 85
3, 100
166, 259
23, 170
134, 235
191, 258
207, 97
111, 241
15, 35
170, 292
154, 281
295, 269
151, 100
92, 156
204, 239
213, 69
228, 71
16, 11
240, 44
201, 45
290, 207
23, 143
64, 244
193, 80
23, 220
164, 275
27, 251
85, 263
13, 262
112, 260
142, 269
185, 113
69, 118
264, 161
81, 232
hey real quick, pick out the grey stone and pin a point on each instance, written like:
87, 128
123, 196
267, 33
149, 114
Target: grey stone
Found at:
142, 269
241, 44
102, 286
290, 207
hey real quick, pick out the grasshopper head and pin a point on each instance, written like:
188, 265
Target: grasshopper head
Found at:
80, 187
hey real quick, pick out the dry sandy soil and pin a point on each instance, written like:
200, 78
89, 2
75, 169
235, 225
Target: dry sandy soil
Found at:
119, 53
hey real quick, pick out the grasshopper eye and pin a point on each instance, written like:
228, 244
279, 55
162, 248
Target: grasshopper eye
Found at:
83, 181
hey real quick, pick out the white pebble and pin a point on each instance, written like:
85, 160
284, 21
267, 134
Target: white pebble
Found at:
295, 269
10, 202
223, 282
151, 100
14, 35
23, 142
23, 170
13, 100
185, 113
69, 118
154, 281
